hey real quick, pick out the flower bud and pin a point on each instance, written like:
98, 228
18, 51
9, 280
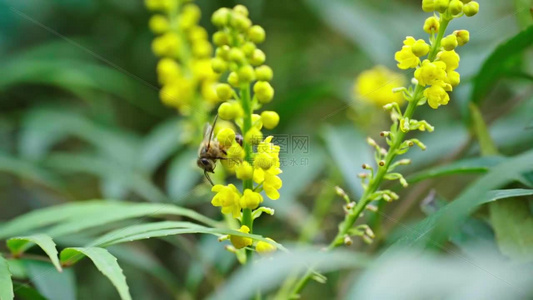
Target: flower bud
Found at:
270, 119
246, 73
441, 5
241, 9
264, 73
258, 57
240, 22
428, 5
264, 248
220, 38
256, 34
225, 111
454, 78
236, 55
220, 17
226, 137
223, 52
240, 242
254, 136
449, 42
263, 161
263, 91
456, 7
244, 171
431, 25
233, 79
257, 122
463, 36
250, 199
224, 91
159, 24
471, 8
219, 65
420, 48
248, 48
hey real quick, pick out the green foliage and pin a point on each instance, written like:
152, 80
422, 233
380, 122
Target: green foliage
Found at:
104, 261
513, 225
6, 286
504, 62
18, 245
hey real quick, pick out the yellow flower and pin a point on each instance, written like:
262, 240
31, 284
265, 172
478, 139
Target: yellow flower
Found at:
454, 78
420, 48
431, 73
168, 70
251, 199
436, 96
272, 183
450, 58
240, 242
406, 58
228, 198
265, 248
226, 137
244, 171
375, 86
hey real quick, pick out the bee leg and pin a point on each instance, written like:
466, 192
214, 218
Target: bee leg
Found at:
238, 139
208, 178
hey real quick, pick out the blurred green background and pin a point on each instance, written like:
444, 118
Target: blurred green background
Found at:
80, 119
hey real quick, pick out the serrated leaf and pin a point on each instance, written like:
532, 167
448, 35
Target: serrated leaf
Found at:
513, 225
104, 261
504, 61
74, 217
439, 226
6, 285
18, 245
473, 165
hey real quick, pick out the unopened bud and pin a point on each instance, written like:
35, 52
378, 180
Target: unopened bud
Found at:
384, 133
463, 37
348, 240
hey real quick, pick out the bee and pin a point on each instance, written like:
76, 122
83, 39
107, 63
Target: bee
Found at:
212, 150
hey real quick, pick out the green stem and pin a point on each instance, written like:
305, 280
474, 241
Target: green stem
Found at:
246, 103
377, 179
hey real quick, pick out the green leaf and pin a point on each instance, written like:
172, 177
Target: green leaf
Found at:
513, 225
51, 284
362, 25
182, 175
104, 261
267, 274
501, 63
349, 151
439, 226
27, 170
524, 12
6, 285
161, 229
472, 165
74, 217
18, 245
160, 144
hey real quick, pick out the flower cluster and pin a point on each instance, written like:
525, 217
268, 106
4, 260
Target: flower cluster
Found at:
241, 63
184, 69
437, 71
435, 63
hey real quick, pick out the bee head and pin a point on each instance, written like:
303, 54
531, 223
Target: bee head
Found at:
205, 164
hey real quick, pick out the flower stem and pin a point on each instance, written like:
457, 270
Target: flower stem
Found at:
376, 180
246, 103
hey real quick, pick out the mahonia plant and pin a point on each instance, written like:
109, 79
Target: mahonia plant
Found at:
184, 69
256, 162
434, 77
